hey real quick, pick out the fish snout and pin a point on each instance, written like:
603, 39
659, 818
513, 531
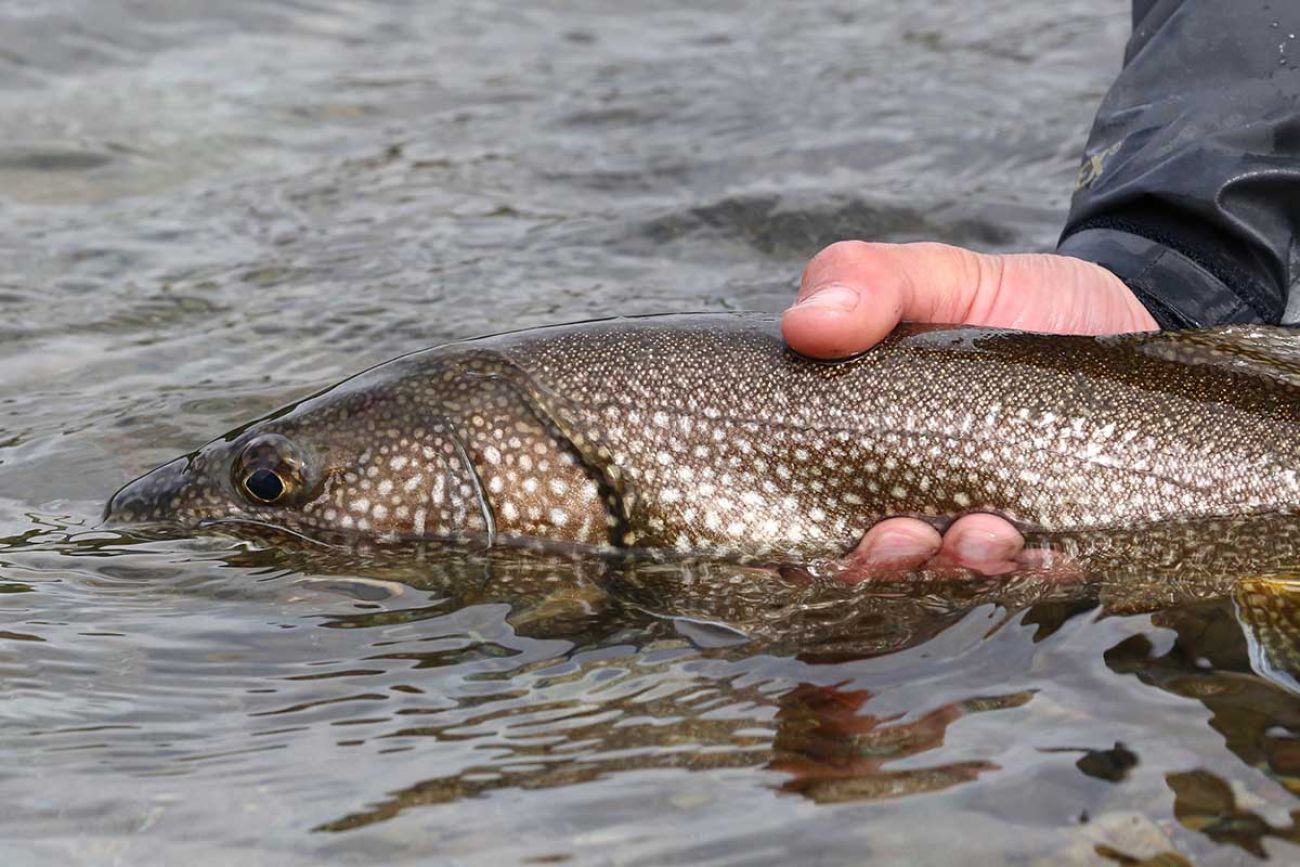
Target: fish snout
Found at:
151, 498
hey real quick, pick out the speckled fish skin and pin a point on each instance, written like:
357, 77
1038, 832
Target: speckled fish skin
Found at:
703, 434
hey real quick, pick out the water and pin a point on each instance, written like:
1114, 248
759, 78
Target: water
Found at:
210, 211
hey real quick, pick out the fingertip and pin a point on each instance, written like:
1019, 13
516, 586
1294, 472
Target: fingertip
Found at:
850, 297
986, 543
836, 322
822, 333
897, 544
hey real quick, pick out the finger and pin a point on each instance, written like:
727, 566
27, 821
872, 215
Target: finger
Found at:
1051, 564
983, 543
849, 298
853, 293
895, 545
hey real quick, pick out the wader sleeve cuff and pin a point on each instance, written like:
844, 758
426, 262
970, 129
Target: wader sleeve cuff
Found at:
1189, 189
1177, 291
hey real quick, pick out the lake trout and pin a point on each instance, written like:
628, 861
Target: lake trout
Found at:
704, 435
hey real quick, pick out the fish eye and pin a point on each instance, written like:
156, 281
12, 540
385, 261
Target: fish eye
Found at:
272, 471
264, 485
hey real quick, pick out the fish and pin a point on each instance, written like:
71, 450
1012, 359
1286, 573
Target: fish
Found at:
704, 435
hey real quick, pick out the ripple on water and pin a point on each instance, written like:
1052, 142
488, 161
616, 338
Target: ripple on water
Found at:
213, 209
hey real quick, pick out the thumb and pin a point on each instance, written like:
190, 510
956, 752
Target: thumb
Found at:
853, 293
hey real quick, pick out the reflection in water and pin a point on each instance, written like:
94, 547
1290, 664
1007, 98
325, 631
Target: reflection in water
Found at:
1112, 765
836, 752
1205, 803
1257, 712
523, 672
567, 743
830, 752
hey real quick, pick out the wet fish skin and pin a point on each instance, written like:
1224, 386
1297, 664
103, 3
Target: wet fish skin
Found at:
703, 434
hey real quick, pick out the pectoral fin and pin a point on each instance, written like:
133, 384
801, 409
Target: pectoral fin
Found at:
1268, 609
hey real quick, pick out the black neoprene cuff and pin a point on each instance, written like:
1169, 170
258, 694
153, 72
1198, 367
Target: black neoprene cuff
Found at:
1187, 277
1178, 290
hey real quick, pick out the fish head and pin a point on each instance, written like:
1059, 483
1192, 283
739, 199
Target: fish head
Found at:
382, 462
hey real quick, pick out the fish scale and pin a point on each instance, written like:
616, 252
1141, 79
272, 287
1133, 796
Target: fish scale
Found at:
704, 434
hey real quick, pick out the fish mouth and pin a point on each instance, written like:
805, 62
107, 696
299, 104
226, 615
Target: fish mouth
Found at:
150, 498
264, 527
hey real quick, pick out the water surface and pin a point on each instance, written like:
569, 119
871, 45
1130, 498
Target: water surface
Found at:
211, 211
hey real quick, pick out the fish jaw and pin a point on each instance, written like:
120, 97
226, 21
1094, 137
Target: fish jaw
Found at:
177, 493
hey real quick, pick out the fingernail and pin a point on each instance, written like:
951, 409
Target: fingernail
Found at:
833, 296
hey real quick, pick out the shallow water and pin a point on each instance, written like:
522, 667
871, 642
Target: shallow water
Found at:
210, 212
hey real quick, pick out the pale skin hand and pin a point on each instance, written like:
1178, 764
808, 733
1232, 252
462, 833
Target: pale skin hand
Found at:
853, 293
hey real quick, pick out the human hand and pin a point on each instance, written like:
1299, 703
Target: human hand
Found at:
853, 293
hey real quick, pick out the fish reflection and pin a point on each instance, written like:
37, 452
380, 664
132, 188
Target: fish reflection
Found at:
825, 745
825, 740
835, 751
1234, 652
592, 601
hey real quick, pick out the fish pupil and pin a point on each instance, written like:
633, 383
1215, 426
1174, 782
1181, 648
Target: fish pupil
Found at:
264, 485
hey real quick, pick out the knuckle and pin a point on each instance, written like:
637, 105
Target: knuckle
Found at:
853, 257
846, 251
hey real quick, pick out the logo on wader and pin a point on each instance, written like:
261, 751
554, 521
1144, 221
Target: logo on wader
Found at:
1092, 167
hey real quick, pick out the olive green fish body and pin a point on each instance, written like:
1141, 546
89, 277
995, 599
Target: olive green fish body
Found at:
705, 435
